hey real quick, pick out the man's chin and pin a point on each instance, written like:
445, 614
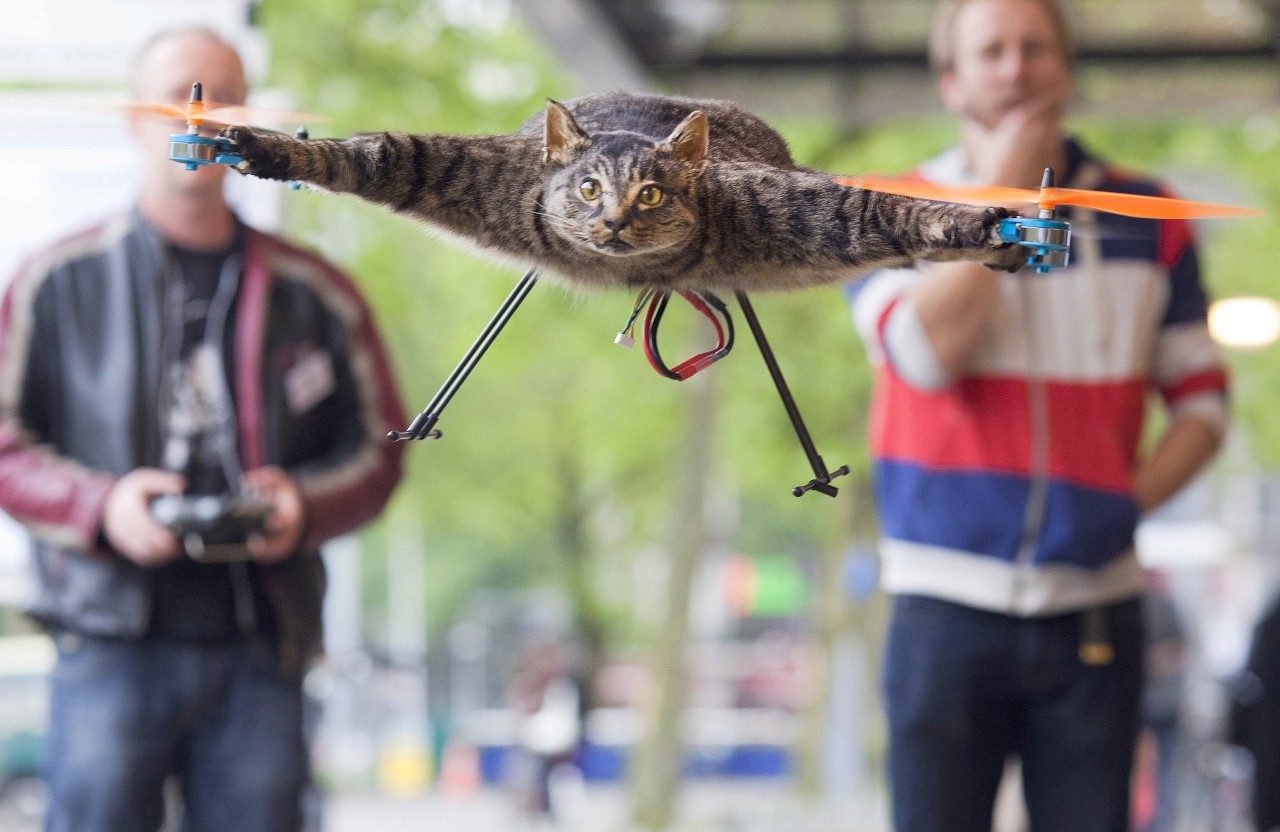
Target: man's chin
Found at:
991, 119
203, 182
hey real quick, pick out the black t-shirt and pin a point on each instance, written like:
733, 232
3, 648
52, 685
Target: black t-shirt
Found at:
194, 601
197, 419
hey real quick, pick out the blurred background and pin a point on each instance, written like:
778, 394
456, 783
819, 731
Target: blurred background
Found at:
587, 521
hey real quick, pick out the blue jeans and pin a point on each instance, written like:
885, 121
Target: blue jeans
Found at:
964, 689
125, 715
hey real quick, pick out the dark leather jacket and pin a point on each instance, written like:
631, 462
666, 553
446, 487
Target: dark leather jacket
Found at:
81, 335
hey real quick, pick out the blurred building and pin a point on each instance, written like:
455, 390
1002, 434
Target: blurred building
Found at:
861, 61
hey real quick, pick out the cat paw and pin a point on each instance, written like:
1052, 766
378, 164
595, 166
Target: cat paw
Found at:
263, 153
1010, 258
991, 219
971, 227
1004, 256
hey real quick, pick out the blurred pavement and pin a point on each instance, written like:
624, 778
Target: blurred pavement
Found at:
705, 806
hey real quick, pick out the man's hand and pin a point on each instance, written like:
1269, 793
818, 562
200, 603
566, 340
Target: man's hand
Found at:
126, 518
285, 524
1182, 452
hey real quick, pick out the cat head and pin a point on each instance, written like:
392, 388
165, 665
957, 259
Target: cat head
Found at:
621, 193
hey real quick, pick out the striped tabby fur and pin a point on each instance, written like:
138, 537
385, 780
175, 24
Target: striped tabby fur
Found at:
630, 190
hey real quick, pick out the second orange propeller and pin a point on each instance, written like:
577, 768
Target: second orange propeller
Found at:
1132, 205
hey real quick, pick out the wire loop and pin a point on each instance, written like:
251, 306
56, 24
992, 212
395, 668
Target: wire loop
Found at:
712, 308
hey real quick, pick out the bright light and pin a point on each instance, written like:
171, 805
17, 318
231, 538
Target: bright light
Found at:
1245, 323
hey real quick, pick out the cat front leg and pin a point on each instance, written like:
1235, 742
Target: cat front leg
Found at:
337, 166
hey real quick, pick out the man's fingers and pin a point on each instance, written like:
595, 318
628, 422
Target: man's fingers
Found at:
127, 522
153, 482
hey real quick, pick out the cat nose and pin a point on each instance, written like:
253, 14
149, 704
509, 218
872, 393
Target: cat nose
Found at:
615, 220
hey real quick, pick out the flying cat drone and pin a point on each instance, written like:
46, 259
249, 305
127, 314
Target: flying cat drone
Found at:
193, 150
569, 169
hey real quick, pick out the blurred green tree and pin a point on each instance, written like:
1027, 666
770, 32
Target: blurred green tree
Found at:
561, 454
556, 423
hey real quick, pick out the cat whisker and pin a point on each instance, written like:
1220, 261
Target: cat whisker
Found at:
557, 219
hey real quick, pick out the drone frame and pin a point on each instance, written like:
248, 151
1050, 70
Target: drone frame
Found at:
424, 424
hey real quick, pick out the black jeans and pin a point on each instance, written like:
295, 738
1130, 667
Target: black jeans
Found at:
965, 689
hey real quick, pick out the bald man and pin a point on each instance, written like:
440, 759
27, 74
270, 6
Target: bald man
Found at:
174, 352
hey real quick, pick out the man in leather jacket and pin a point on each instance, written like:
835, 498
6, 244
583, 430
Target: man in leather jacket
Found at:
173, 350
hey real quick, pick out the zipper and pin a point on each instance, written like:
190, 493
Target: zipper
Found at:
242, 593
1038, 481
1038, 489
1087, 255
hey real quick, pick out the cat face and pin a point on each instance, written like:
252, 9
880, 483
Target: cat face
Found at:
622, 194
622, 199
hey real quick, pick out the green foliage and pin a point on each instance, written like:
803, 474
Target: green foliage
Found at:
557, 417
554, 409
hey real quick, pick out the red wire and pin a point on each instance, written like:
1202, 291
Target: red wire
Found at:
654, 361
691, 366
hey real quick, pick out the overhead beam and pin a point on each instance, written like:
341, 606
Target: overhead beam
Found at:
863, 58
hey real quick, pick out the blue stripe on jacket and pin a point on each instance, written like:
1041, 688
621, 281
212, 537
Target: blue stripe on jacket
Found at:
983, 513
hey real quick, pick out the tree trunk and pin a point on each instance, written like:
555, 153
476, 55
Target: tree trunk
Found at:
828, 615
833, 619
657, 760
575, 550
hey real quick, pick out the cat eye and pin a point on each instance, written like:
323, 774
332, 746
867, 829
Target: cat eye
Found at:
590, 189
650, 195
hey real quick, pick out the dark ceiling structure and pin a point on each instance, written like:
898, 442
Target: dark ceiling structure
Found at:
865, 59
655, 32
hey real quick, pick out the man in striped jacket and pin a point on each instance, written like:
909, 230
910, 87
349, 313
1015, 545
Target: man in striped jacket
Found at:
1006, 428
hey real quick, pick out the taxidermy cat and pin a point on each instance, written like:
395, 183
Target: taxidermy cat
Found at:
621, 190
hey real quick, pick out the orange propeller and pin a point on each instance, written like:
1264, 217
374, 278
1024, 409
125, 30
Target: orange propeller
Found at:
198, 112
1132, 205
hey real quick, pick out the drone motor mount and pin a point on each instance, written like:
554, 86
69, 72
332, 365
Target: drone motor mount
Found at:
1048, 240
193, 151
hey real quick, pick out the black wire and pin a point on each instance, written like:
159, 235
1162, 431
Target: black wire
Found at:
657, 307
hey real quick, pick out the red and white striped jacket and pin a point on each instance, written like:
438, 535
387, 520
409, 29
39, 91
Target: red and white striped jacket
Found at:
1010, 488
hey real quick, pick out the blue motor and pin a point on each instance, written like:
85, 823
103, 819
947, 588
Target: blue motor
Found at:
1049, 239
192, 150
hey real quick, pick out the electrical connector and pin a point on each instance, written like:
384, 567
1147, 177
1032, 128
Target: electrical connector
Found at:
624, 340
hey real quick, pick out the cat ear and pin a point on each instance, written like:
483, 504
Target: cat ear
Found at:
564, 138
688, 142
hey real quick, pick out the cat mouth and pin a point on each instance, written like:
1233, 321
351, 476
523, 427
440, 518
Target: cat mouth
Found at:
615, 245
